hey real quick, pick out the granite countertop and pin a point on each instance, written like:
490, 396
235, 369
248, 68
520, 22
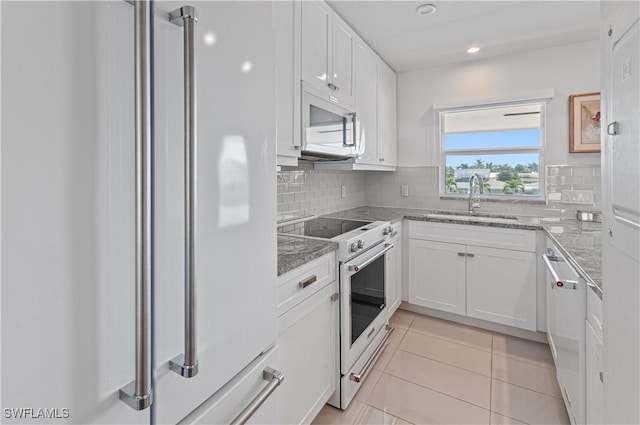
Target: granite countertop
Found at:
580, 243
455, 217
294, 251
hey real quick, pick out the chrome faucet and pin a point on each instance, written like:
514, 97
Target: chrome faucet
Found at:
472, 205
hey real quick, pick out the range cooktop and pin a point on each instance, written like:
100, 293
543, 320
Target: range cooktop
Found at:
328, 228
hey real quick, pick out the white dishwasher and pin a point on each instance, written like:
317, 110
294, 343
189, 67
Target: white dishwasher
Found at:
566, 316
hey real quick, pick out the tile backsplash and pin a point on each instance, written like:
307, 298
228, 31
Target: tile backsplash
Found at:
303, 191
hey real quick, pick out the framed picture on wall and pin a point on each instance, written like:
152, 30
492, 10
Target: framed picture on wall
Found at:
584, 123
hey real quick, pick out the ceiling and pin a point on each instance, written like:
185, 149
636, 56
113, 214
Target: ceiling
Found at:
407, 41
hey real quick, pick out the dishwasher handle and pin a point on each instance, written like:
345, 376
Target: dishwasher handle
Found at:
558, 283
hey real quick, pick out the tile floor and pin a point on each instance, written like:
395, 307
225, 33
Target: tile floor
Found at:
439, 372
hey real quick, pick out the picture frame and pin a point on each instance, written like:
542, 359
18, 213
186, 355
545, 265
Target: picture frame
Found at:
584, 123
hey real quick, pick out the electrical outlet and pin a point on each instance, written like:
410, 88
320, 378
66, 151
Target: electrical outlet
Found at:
344, 191
404, 190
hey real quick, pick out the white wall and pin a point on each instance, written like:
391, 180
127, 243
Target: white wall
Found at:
567, 69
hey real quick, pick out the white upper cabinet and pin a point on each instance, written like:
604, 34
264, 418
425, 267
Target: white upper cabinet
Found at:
338, 66
366, 104
317, 18
286, 24
341, 78
327, 53
387, 152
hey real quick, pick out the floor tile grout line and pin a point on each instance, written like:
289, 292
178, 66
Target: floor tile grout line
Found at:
510, 417
491, 381
523, 360
525, 388
444, 363
449, 340
435, 391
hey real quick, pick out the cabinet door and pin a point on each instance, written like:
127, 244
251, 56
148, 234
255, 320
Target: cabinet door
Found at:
342, 62
317, 19
501, 286
386, 115
392, 283
287, 94
594, 381
437, 275
624, 147
366, 104
308, 337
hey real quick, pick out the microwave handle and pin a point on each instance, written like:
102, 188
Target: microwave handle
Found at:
352, 117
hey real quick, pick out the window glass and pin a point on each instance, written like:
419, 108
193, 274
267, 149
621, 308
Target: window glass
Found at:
503, 145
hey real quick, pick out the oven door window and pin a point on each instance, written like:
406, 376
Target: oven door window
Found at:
367, 296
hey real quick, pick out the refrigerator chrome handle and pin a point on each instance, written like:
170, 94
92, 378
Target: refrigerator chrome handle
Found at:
139, 393
275, 378
186, 364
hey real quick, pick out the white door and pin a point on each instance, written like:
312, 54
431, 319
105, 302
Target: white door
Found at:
386, 115
317, 18
342, 62
366, 104
286, 23
308, 338
437, 275
621, 211
594, 378
392, 280
501, 286
236, 239
68, 210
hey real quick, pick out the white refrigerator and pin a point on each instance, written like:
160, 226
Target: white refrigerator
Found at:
77, 326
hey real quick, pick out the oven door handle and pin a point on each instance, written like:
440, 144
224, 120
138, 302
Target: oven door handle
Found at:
357, 267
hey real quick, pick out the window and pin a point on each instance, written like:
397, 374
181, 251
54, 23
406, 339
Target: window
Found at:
503, 144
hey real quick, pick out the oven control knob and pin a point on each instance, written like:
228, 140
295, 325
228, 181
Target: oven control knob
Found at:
353, 247
387, 230
360, 244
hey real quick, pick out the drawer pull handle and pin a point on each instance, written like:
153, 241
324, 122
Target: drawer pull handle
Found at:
601, 376
462, 254
308, 281
470, 255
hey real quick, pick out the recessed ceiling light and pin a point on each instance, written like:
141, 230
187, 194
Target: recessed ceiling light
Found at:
473, 50
426, 9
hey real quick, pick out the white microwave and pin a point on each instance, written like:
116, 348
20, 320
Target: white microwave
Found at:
328, 130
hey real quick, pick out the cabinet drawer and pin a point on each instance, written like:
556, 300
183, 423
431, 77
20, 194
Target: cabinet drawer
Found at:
491, 237
299, 284
230, 400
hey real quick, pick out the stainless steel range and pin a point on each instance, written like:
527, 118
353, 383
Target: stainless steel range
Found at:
364, 317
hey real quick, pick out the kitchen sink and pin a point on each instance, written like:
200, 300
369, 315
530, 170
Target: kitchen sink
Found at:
476, 218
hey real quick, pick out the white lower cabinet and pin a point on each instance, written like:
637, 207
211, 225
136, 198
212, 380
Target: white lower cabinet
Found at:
501, 285
595, 378
308, 352
393, 270
437, 275
483, 282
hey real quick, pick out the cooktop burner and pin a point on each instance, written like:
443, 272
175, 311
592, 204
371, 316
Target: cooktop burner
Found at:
328, 228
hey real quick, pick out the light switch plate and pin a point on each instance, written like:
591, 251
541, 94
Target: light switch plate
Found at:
404, 190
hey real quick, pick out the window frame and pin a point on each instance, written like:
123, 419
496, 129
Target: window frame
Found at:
542, 196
